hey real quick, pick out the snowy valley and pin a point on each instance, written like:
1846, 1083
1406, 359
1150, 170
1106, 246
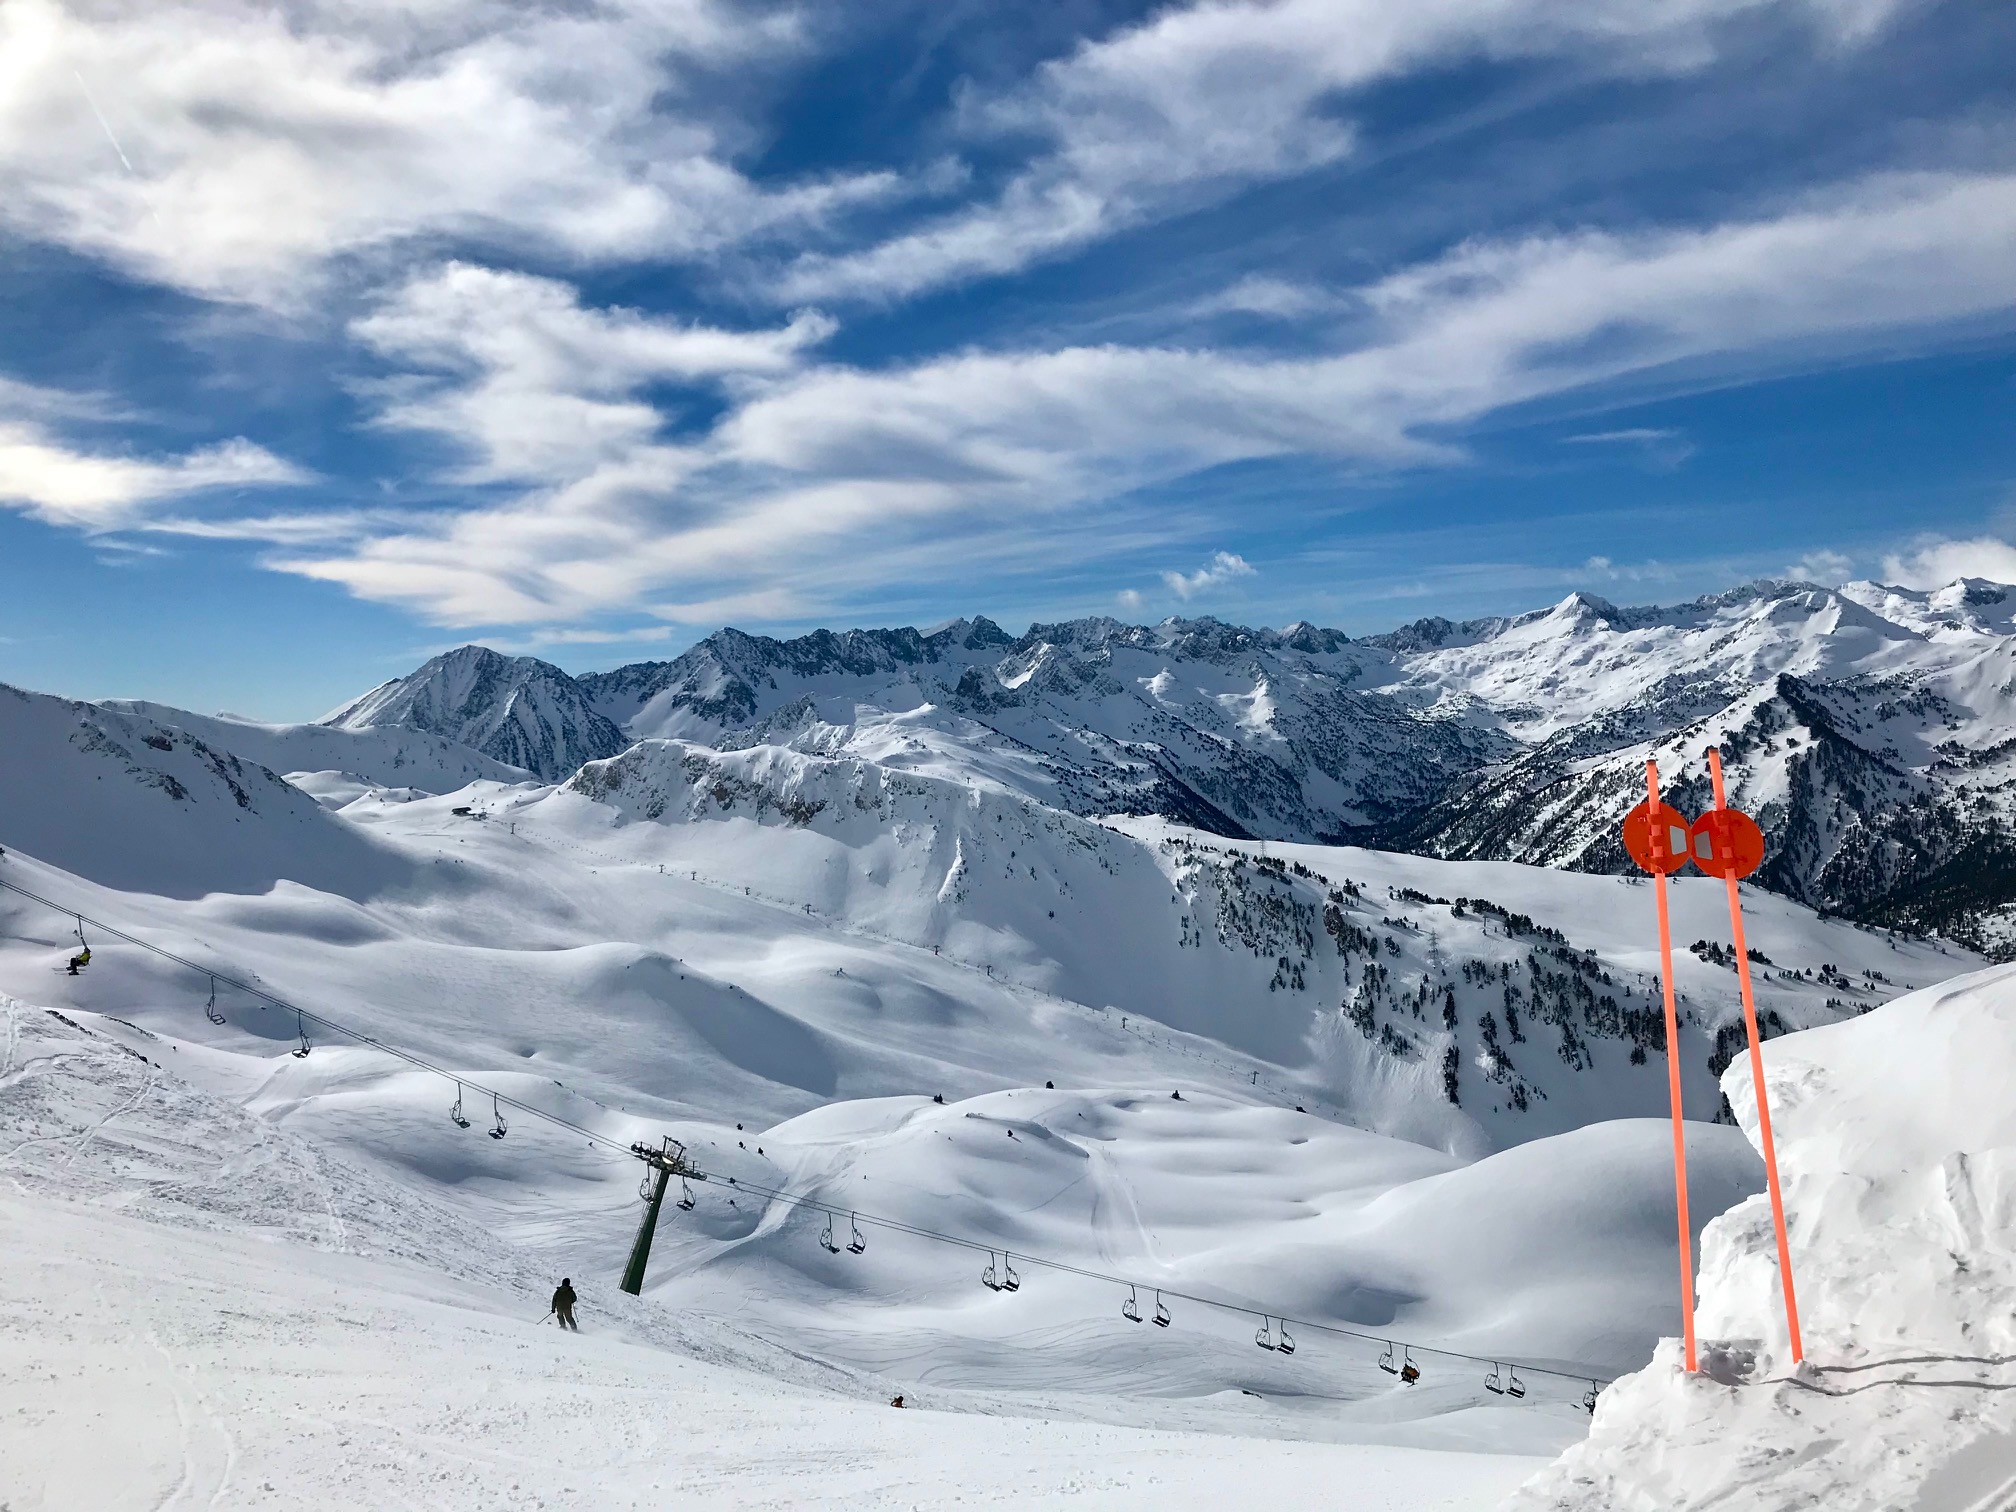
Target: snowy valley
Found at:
1272, 980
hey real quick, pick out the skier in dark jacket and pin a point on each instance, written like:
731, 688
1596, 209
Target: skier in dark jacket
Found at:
563, 1305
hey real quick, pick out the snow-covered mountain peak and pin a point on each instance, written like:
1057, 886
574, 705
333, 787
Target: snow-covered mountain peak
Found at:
518, 710
1844, 712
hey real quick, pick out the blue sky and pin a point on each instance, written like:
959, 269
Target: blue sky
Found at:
583, 330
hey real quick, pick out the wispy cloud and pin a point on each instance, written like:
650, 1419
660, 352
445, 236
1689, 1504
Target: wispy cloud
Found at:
98, 492
1223, 567
1934, 561
1206, 99
1824, 566
262, 145
814, 462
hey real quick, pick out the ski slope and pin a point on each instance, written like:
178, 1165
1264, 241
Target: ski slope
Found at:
200, 1309
1415, 1107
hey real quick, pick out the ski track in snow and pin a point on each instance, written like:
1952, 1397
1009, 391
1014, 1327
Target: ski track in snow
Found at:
184, 1360
333, 1288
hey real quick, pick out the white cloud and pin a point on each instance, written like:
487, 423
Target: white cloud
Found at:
1204, 99
96, 492
1831, 568
539, 388
1128, 599
1934, 562
1641, 435
1279, 298
1223, 567
821, 478
265, 140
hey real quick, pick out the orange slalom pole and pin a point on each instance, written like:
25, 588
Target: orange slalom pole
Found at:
1757, 1082
1659, 847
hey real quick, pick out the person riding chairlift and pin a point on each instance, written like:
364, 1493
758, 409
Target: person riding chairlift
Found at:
80, 960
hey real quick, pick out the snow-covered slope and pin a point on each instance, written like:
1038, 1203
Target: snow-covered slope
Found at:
1462, 1004
1897, 1141
1871, 727
1876, 751
1237, 730
200, 1308
140, 805
517, 710
384, 756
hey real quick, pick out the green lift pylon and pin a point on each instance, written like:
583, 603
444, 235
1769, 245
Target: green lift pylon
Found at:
664, 1163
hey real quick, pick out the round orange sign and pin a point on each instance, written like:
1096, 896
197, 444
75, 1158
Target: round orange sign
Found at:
1657, 848
1726, 843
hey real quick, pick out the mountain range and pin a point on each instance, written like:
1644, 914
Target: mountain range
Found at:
1870, 729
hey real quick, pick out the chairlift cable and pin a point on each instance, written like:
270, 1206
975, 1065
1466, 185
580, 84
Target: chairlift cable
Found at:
1006, 1280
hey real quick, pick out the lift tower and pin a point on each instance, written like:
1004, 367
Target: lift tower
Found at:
662, 1165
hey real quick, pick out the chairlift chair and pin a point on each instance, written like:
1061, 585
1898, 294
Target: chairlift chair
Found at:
1409, 1371
210, 1008
1514, 1388
1263, 1335
1131, 1309
1589, 1399
856, 1244
1287, 1341
1161, 1312
497, 1112
301, 1028
685, 1195
1386, 1362
455, 1113
826, 1238
1493, 1384
987, 1277
1009, 1280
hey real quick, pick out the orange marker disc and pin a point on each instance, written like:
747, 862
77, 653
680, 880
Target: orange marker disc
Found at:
1726, 842
1669, 838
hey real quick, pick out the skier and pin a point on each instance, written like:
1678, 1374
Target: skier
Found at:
80, 960
563, 1305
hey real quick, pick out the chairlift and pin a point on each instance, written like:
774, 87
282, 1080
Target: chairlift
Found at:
1161, 1312
1131, 1309
210, 1008
1264, 1334
987, 1277
1589, 1399
826, 1237
1514, 1388
1409, 1371
301, 1028
685, 1195
856, 1244
1492, 1383
1287, 1344
455, 1113
1009, 1280
497, 1112
1386, 1362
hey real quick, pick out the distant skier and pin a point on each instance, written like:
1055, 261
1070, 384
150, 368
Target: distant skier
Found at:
563, 1305
80, 960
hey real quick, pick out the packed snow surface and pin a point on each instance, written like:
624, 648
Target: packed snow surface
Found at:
200, 1309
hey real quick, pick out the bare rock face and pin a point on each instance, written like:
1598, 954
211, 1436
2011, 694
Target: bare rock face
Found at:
515, 709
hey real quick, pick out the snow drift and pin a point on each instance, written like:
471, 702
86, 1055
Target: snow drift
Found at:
1897, 1143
